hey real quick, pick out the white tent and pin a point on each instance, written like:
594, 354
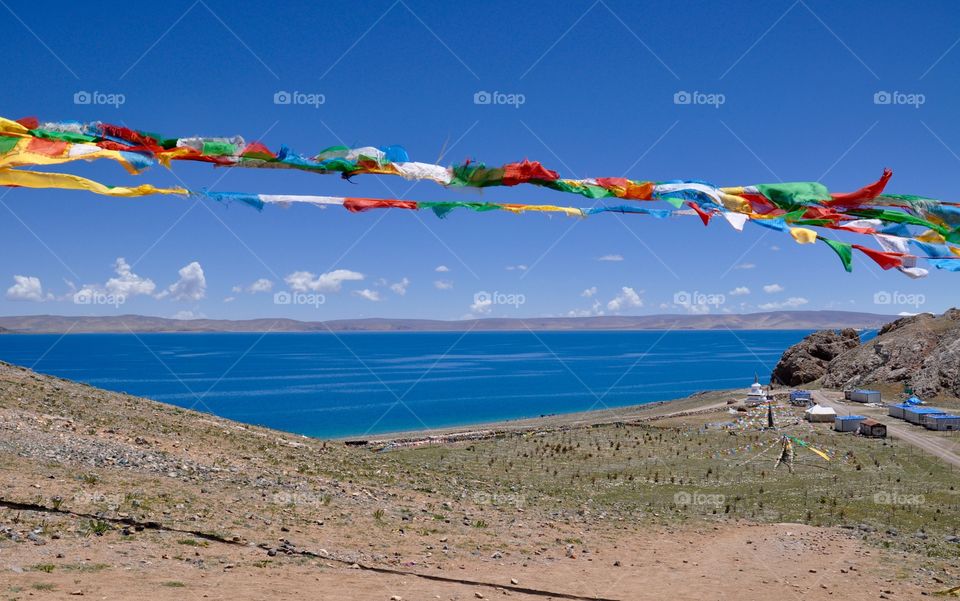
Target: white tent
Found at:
819, 413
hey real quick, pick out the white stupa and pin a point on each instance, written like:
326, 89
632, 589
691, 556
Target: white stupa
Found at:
757, 395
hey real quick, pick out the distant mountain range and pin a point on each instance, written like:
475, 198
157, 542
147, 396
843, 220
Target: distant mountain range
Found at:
774, 320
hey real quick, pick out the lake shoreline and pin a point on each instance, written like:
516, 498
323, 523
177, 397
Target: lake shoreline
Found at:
707, 401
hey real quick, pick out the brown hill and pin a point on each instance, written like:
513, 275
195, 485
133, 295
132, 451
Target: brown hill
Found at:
921, 352
774, 320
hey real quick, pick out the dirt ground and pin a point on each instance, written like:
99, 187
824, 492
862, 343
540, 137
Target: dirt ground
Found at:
724, 562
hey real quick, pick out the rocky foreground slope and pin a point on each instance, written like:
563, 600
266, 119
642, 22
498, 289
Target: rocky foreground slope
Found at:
109, 496
920, 351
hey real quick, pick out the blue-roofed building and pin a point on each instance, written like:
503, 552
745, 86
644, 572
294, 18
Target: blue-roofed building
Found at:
897, 410
942, 422
800, 398
915, 415
865, 396
847, 423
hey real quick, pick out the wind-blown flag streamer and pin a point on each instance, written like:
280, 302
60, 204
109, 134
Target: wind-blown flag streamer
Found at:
906, 228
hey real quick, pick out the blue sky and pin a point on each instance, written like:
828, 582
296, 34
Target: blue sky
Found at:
598, 81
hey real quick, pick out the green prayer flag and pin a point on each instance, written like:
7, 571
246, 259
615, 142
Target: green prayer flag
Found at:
7, 143
219, 149
63, 136
441, 209
843, 250
789, 195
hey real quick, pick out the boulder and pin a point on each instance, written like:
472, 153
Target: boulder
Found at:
807, 360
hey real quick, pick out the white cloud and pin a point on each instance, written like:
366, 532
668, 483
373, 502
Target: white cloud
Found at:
192, 285
443, 284
774, 248
261, 285
596, 309
628, 297
482, 303
400, 287
589, 292
370, 295
27, 288
332, 281
616, 257
773, 288
744, 266
229, 299
442, 269
516, 267
740, 291
237, 289
791, 303
127, 283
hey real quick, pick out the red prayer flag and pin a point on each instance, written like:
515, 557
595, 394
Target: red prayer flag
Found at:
50, 148
704, 216
359, 205
865, 193
886, 260
135, 138
759, 203
524, 171
256, 150
29, 122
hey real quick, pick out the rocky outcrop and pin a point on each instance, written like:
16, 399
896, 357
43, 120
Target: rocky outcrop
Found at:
922, 351
807, 360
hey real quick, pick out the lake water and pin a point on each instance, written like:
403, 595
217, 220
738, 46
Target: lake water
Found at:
354, 384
